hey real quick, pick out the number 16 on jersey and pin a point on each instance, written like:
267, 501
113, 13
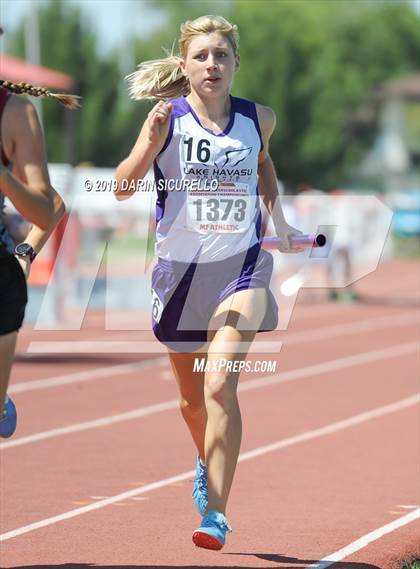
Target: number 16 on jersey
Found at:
197, 151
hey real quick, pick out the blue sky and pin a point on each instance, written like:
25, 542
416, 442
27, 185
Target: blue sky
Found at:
124, 17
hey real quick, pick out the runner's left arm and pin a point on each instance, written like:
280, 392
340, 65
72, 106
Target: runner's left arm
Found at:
267, 180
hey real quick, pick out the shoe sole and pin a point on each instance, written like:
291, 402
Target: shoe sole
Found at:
206, 541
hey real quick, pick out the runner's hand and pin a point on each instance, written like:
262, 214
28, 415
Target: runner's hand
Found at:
159, 120
25, 263
284, 231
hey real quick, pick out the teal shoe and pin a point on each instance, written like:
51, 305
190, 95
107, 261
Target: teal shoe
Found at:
212, 532
199, 493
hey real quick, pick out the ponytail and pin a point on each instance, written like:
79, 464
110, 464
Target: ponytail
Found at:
158, 79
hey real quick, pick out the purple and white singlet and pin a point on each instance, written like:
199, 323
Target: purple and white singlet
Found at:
207, 207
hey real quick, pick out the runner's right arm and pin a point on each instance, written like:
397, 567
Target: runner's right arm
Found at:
149, 143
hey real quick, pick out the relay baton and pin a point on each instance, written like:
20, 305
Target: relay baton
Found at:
297, 241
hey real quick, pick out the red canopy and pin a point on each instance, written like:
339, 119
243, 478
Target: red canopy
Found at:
15, 70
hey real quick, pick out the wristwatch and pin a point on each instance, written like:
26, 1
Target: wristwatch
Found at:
25, 250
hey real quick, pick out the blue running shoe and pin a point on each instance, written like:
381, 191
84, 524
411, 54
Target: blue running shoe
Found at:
212, 533
9, 419
199, 493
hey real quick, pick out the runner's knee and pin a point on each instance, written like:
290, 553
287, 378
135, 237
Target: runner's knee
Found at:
221, 389
192, 406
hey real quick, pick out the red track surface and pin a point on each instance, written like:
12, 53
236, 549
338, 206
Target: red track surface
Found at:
290, 506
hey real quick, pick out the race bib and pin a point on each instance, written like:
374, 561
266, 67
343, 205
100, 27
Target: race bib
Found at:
230, 209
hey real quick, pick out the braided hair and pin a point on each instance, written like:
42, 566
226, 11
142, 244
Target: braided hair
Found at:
69, 101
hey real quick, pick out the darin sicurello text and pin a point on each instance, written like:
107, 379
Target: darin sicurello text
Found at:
170, 185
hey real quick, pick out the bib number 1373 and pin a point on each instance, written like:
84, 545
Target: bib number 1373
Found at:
219, 214
214, 209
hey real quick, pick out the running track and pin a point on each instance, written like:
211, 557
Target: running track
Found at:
99, 473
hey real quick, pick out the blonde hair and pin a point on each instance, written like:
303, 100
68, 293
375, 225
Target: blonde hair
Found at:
163, 78
69, 101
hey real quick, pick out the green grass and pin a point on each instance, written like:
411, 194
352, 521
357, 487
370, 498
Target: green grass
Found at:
126, 246
121, 248
414, 564
406, 248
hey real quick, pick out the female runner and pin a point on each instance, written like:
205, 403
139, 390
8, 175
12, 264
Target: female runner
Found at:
24, 180
210, 287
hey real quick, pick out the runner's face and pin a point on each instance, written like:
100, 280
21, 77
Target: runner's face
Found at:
210, 64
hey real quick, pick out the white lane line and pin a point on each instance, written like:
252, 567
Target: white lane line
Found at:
76, 377
334, 427
289, 338
302, 312
258, 346
331, 365
102, 422
288, 442
365, 540
351, 327
292, 375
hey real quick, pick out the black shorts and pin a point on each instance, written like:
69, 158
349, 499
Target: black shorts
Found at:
13, 294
